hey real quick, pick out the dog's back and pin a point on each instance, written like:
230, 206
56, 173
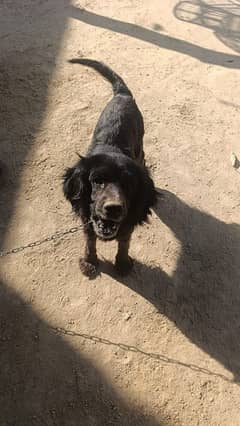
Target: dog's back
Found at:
120, 125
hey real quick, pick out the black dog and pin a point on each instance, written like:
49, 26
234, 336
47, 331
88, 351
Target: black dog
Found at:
110, 188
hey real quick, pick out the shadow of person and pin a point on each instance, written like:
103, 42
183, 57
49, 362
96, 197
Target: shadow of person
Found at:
202, 297
45, 381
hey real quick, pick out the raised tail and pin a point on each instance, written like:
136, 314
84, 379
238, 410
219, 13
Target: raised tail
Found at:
119, 87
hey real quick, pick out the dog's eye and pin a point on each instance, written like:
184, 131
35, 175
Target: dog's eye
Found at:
99, 183
97, 180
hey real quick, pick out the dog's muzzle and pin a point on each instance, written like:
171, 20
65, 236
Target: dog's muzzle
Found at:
108, 213
106, 224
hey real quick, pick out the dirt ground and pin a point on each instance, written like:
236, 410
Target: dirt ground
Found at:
162, 346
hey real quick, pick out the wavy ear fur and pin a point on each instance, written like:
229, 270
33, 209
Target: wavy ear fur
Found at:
76, 186
146, 196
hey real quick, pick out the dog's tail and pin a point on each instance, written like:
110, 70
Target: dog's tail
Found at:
119, 87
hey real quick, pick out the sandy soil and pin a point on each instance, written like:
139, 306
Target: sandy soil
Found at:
162, 346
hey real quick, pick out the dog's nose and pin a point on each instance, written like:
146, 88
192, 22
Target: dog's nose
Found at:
113, 211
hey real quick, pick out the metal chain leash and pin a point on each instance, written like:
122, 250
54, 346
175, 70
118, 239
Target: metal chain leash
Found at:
37, 243
131, 348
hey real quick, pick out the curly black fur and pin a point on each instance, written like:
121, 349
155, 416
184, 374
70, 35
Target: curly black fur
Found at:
111, 189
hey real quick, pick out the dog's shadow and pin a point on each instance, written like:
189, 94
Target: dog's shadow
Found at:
202, 297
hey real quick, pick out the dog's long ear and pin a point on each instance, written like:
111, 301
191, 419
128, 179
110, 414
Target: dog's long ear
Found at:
76, 186
146, 196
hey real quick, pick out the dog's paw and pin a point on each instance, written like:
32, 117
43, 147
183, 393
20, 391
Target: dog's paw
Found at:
124, 267
89, 269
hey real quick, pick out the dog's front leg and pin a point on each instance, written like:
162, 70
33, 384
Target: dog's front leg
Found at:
88, 264
123, 263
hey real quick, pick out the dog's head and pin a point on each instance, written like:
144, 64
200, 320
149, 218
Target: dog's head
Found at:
110, 190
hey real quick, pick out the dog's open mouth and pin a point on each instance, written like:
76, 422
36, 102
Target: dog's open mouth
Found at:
105, 229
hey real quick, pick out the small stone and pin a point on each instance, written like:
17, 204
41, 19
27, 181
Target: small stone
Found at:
127, 316
234, 160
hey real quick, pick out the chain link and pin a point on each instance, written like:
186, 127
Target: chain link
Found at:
131, 348
53, 237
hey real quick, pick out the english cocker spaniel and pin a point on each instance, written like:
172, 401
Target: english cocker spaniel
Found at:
110, 188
